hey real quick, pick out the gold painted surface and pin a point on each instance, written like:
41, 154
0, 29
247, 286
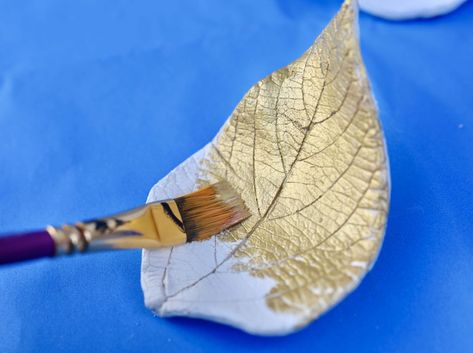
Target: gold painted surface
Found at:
306, 151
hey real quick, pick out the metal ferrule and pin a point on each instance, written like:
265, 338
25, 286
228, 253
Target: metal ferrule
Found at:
151, 226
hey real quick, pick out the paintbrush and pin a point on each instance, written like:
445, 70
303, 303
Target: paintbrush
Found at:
192, 217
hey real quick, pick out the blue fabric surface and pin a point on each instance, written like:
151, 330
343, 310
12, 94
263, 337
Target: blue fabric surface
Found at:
100, 99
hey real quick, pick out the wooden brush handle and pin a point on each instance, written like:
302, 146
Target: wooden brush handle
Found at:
26, 246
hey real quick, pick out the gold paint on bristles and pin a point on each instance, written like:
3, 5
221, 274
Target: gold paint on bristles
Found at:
210, 210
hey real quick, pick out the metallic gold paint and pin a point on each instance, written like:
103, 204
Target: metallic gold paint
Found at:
306, 151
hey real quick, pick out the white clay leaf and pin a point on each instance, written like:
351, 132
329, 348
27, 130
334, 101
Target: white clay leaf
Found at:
306, 151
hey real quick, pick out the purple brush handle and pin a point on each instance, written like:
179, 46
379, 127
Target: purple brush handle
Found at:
26, 246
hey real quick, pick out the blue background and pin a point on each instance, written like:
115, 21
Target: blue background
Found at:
100, 99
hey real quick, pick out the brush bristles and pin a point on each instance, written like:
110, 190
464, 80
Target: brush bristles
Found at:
210, 210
